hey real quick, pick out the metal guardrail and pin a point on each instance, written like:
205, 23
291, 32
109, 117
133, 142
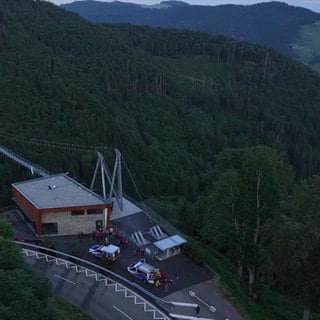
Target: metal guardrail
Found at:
53, 254
156, 217
6, 209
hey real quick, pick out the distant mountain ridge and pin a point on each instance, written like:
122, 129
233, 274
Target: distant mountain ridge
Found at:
275, 24
175, 3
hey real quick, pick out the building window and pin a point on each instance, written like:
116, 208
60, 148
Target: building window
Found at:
49, 228
94, 211
77, 212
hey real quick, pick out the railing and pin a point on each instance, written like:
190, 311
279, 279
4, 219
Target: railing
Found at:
31, 166
72, 260
6, 209
156, 217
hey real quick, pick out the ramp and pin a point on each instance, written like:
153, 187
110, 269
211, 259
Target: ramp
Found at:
156, 232
139, 239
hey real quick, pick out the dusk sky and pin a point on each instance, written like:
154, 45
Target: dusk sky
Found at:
310, 4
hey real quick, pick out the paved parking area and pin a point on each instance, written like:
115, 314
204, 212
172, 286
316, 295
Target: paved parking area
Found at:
197, 279
189, 273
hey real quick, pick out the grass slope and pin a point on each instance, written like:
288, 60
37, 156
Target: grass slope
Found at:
307, 46
66, 311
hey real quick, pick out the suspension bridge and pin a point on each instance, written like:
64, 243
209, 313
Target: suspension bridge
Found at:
122, 206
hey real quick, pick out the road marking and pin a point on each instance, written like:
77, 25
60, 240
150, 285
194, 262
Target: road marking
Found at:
122, 312
211, 308
182, 316
184, 304
67, 280
157, 314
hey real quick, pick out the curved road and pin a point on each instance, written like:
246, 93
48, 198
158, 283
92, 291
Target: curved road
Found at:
98, 296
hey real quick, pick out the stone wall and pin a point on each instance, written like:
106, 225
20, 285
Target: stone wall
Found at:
72, 224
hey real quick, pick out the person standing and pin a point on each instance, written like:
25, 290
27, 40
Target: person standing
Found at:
198, 310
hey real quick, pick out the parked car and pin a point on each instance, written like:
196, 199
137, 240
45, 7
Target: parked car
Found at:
110, 252
147, 272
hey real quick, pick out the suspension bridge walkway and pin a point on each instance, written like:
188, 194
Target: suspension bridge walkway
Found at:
35, 169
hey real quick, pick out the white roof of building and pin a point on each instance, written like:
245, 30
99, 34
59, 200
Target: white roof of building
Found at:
178, 240
58, 191
165, 244
170, 242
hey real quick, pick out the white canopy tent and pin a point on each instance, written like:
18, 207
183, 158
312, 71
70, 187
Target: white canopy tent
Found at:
169, 247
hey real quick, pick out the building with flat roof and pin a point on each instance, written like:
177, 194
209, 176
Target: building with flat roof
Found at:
60, 205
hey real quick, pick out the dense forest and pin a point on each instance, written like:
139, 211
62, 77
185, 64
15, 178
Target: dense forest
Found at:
220, 136
24, 294
169, 100
275, 24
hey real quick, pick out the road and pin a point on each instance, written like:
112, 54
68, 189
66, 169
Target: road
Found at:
195, 278
99, 297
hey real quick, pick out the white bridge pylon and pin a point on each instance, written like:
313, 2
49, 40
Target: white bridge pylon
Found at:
116, 178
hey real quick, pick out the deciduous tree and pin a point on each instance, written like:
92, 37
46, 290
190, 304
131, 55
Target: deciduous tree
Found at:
246, 194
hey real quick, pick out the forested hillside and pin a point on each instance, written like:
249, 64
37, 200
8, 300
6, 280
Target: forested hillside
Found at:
274, 24
221, 136
169, 100
23, 290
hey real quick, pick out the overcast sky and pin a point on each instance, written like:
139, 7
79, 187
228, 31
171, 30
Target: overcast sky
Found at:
310, 4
